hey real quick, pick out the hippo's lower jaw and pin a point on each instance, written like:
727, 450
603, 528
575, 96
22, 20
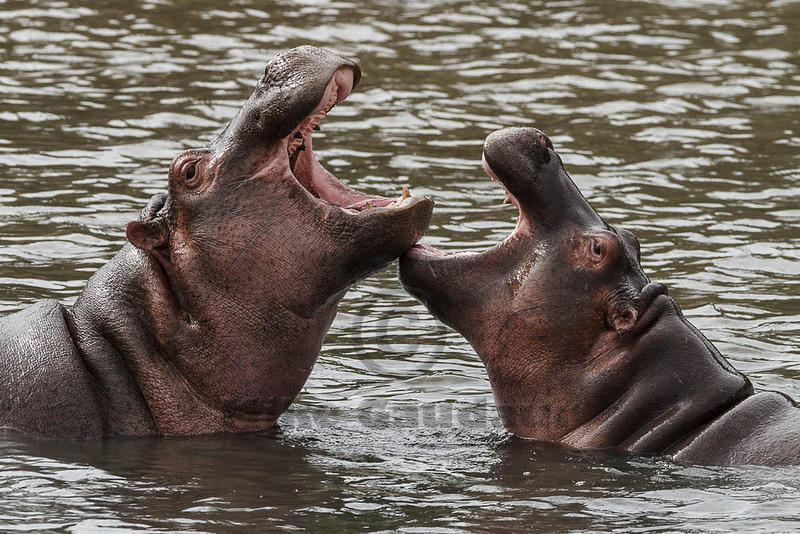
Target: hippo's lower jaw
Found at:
450, 281
309, 173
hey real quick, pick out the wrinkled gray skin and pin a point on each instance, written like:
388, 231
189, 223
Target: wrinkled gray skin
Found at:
580, 347
212, 317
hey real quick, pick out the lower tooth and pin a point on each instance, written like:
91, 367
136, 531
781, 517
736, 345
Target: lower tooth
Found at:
406, 193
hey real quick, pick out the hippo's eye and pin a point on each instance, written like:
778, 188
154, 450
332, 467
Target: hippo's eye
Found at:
191, 175
598, 251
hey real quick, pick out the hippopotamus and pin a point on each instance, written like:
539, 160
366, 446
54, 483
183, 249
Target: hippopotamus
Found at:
211, 317
580, 347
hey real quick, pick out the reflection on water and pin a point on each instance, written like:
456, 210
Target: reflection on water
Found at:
678, 120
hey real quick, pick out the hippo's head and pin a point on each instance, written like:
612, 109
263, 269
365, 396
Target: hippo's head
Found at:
562, 264
550, 296
579, 346
256, 208
257, 242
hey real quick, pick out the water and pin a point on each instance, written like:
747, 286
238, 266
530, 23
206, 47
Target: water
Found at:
678, 120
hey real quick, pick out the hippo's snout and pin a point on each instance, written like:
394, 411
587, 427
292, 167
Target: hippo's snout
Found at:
514, 152
524, 161
520, 158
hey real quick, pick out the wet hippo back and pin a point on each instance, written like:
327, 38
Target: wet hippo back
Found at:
44, 377
762, 429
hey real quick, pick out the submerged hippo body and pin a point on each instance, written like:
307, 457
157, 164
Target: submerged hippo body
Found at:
580, 347
212, 317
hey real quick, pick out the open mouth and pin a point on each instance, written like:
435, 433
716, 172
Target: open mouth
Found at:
523, 226
313, 176
523, 223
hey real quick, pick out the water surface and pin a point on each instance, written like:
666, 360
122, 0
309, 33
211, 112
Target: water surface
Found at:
678, 120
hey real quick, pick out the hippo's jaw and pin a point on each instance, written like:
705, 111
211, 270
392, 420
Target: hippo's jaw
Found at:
462, 289
266, 155
271, 135
553, 219
369, 230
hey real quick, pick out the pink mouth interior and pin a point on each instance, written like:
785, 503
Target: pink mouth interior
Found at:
310, 173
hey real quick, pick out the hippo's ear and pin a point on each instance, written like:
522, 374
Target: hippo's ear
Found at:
147, 235
622, 318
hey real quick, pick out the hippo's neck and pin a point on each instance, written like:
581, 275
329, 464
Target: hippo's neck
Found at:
641, 392
110, 322
156, 371
656, 386
535, 385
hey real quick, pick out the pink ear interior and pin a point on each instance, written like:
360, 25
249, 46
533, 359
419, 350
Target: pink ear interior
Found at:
145, 235
624, 319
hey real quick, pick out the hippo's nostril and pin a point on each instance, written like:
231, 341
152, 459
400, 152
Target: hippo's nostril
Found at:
275, 60
263, 119
543, 143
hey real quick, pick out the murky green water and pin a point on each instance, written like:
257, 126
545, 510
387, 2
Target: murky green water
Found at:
678, 120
